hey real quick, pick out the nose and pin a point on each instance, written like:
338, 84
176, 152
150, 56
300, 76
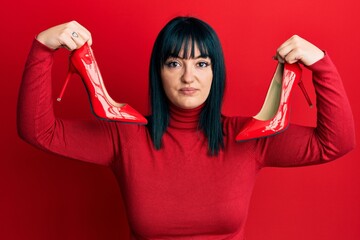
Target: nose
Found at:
188, 75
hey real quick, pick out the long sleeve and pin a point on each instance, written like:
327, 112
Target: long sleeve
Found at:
92, 141
334, 134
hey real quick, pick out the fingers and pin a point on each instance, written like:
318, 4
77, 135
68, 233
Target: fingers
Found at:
83, 33
74, 35
297, 49
67, 41
71, 36
290, 50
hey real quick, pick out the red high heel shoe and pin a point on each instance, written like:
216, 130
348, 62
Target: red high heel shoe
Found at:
274, 114
82, 62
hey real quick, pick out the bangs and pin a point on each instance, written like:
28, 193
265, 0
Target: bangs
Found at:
184, 41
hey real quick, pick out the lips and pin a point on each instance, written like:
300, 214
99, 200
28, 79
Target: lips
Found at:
188, 90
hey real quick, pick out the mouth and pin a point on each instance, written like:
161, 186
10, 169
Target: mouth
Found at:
188, 91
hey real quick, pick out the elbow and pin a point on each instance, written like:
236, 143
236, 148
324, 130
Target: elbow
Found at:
350, 146
20, 130
332, 152
349, 142
22, 135
24, 132
336, 142
29, 138
21, 125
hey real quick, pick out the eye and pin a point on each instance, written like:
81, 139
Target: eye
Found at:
203, 64
172, 64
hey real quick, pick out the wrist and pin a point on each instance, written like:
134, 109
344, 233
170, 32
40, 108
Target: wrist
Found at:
41, 37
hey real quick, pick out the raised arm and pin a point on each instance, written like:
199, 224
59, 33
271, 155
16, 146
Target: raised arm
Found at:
91, 141
334, 134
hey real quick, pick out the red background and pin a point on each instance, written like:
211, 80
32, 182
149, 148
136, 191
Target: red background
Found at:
43, 196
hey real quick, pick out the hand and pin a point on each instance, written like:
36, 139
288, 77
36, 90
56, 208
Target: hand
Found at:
69, 35
297, 49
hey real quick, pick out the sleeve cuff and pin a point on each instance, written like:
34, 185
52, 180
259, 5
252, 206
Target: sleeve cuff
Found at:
322, 65
40, 51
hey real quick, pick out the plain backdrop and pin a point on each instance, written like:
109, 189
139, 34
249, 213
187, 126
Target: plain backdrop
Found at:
44, 196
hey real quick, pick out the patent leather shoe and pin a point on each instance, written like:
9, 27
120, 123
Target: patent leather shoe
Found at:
273, 117
82, 62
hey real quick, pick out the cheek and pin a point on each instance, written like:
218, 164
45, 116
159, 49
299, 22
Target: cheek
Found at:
208, 82
164, 79
167, 84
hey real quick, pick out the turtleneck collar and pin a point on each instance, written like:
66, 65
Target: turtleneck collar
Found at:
184, 118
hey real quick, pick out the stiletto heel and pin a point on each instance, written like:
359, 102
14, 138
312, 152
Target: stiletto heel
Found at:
82, 62
68, 76
273, 117
302, 87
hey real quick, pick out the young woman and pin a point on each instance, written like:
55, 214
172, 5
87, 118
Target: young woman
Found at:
183, 175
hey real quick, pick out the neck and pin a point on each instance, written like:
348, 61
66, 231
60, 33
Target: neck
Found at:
184, 118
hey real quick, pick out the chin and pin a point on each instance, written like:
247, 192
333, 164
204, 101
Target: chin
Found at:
188, 105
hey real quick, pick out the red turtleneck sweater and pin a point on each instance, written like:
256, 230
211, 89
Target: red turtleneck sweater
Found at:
180, 192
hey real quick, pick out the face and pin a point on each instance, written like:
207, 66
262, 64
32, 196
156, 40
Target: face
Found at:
187, 81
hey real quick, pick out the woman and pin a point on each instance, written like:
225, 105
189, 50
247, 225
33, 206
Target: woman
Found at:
183, 176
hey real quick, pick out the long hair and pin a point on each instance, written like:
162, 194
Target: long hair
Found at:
184, 33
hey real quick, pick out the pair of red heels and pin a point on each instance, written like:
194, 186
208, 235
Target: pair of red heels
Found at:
273, 117
82, 62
